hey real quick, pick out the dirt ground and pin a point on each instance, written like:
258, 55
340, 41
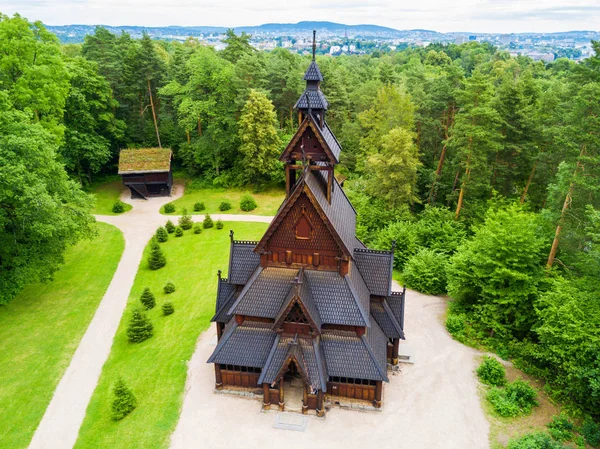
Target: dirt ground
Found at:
431, 404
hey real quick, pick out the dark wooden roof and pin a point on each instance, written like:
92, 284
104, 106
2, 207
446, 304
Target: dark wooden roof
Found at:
242, 261
396, 302
247, 344
302, 294
315, 98
144, 160
226, 294
386, 319
331, 140
376, 268
313, 73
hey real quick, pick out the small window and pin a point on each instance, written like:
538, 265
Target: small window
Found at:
244, 369
344, 380
223, 366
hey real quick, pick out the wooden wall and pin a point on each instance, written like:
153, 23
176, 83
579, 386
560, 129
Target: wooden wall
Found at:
239, 379
354, 391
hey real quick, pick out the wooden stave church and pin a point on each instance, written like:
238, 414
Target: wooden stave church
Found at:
309, 299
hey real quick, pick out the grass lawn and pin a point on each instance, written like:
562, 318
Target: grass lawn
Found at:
156, 369
268, 201
41, 328
107, 193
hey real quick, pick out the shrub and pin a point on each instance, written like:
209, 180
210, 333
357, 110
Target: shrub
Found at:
118, 207
147, 299
561, 428
169, 288
156, 259
140, 327
162, 235
405, 236
178, 231
167, 308
124, 401
426, 272
170, 227
199, 207
591, 431
219, 224
225, 205
207, 223
185, 221
197, 228
517, 398
538, 440
491, 372
438, 230
456, 324
247, 203
169, 208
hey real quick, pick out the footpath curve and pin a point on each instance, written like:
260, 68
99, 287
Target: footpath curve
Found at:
60, 424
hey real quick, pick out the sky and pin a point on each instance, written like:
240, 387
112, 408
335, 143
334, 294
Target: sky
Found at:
496, 16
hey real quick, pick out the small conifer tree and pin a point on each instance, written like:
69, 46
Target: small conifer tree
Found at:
169, 288
207, 223
118, 207
197, 228
167, 308
124, 401
185, 221
178, 231
147, 299
199, 207
170, 227
156, 259
219, 224
140, 327
162, 235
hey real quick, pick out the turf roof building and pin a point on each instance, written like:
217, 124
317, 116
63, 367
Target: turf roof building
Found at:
146, 171
307, 314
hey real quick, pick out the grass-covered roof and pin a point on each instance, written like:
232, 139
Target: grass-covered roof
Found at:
144, 160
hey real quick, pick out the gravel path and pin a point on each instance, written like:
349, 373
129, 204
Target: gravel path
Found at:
431, 404
63, 417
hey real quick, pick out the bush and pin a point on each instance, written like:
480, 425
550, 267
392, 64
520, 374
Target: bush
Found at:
225, 205
426, 272
219, 224
591, 431
185, 221
170, 227
438, 230
169, 288
207, 223
124, 401
199, 207
247, 203
167, 308
405, 235
197, 228
140, 327
178, 231
156, 259
118, 207
491, 372
561, 428
517, 398
456, 324
147, 299
169, 208
538, 440
162, 235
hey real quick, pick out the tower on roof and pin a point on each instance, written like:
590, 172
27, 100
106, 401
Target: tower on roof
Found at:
312, 101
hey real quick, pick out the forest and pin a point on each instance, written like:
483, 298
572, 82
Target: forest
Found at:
482, 167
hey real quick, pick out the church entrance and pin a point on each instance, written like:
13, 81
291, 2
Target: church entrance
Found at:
293, 388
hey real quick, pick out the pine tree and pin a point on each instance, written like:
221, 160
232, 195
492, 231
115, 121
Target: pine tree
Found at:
167, 308
208, 222
170, 227
140, 327
124, 401
156, 259
162, 235
147, 299
185, 221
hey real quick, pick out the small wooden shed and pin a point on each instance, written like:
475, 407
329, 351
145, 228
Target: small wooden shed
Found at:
146, 171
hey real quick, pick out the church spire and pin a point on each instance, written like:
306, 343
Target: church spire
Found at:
312, 101
314, 45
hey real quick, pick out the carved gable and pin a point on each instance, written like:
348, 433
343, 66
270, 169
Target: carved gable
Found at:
315, 146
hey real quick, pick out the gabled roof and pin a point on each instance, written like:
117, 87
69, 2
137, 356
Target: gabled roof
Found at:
305, 352
316, 99
339, 216
264, 293
313, 73
144, 160
386, 319
300, 293
376, 268
226, 294
247, 344
242, 261
348, 355
396, 302
324, 136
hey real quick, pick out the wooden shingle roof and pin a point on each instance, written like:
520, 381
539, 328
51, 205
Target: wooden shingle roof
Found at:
144, 160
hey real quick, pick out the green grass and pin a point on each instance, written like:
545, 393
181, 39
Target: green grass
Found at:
156, 369
41, 328
107, 192
268, 201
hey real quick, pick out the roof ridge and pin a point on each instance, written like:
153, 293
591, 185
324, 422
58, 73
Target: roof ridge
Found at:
373, 251
258, 270
220, 309
269, 359
365, 317
373, 357
395, 322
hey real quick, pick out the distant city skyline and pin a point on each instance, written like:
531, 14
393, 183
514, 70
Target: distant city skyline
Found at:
477, 16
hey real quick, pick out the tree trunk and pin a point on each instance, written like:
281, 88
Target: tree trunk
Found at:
187, 135
438, 172
566, 204
464, 183
199, 128
154, 114
526, 189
